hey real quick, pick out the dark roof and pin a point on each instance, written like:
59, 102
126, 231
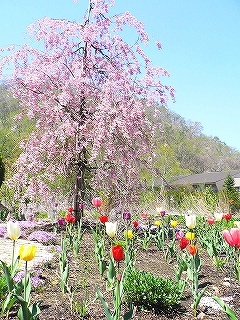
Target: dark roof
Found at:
209, 178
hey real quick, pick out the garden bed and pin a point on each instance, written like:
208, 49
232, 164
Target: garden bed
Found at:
84, 277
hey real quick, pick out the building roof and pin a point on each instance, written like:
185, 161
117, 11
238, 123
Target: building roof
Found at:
207, 178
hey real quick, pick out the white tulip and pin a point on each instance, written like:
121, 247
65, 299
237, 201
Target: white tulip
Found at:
159, 209
13, 230
237, 224
190, 220
218, 216
111, 229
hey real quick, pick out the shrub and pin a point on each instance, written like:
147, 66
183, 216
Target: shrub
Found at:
150, 292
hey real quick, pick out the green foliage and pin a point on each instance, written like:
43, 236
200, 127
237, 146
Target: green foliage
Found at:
150, 292
3, 215
2, 171
232, 194
229, 312
210, 199
3, 284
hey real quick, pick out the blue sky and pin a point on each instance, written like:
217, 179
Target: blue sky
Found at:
201, 50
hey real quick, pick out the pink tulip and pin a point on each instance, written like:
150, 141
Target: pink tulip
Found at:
179, 235
232, 237
210, 221
97, 202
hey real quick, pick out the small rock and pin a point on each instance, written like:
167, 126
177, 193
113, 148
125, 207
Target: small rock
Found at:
226, 279
216, 290
226, 283
201, 315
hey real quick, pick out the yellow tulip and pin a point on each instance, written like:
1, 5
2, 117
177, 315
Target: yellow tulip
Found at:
174, 223
27, 253
190, 236
157, 223
13, 230
129, 234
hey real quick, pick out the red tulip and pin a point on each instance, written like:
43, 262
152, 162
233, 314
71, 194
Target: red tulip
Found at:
183, 243
227, 216
117, 252
232, 237
97, 202
192, 250
135, 224
103, 219
144, 215
70, 218
210, 221
70, 209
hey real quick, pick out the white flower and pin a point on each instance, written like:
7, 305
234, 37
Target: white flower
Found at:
218, 216
190, 220
159, 209
13, 230
111, 228
237, 224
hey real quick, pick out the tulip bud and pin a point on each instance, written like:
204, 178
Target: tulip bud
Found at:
157, 223
111, 228
174, 223
97, 202
210, 221
27, 253
126, 215
190, 236
128, 234
190, 221
218, 216
118, 253
13, 230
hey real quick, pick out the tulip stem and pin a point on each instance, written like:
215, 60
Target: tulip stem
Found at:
231, 273
25, 282
13, 253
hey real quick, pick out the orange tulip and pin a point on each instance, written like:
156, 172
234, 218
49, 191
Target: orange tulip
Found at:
192, 249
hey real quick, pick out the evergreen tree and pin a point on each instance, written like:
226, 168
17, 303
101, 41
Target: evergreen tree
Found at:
232, 194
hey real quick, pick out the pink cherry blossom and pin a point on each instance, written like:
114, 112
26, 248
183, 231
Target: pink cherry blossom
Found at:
87, 92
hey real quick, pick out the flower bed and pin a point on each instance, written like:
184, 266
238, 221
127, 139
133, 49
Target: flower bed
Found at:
82, 264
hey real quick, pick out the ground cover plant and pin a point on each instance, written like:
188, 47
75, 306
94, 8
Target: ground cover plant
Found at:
156, 266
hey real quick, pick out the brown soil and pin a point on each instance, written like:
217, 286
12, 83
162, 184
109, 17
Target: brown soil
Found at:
84, 277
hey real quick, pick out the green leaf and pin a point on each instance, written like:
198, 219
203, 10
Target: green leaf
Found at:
198, 297
111, 274
28, 288
7, 273
102, 266
230, 313
128, 315
24, 312
35, 310
8, 303
105, 305
15, 267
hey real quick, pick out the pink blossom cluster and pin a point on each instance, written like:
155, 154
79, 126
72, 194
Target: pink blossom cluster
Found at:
86, 89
